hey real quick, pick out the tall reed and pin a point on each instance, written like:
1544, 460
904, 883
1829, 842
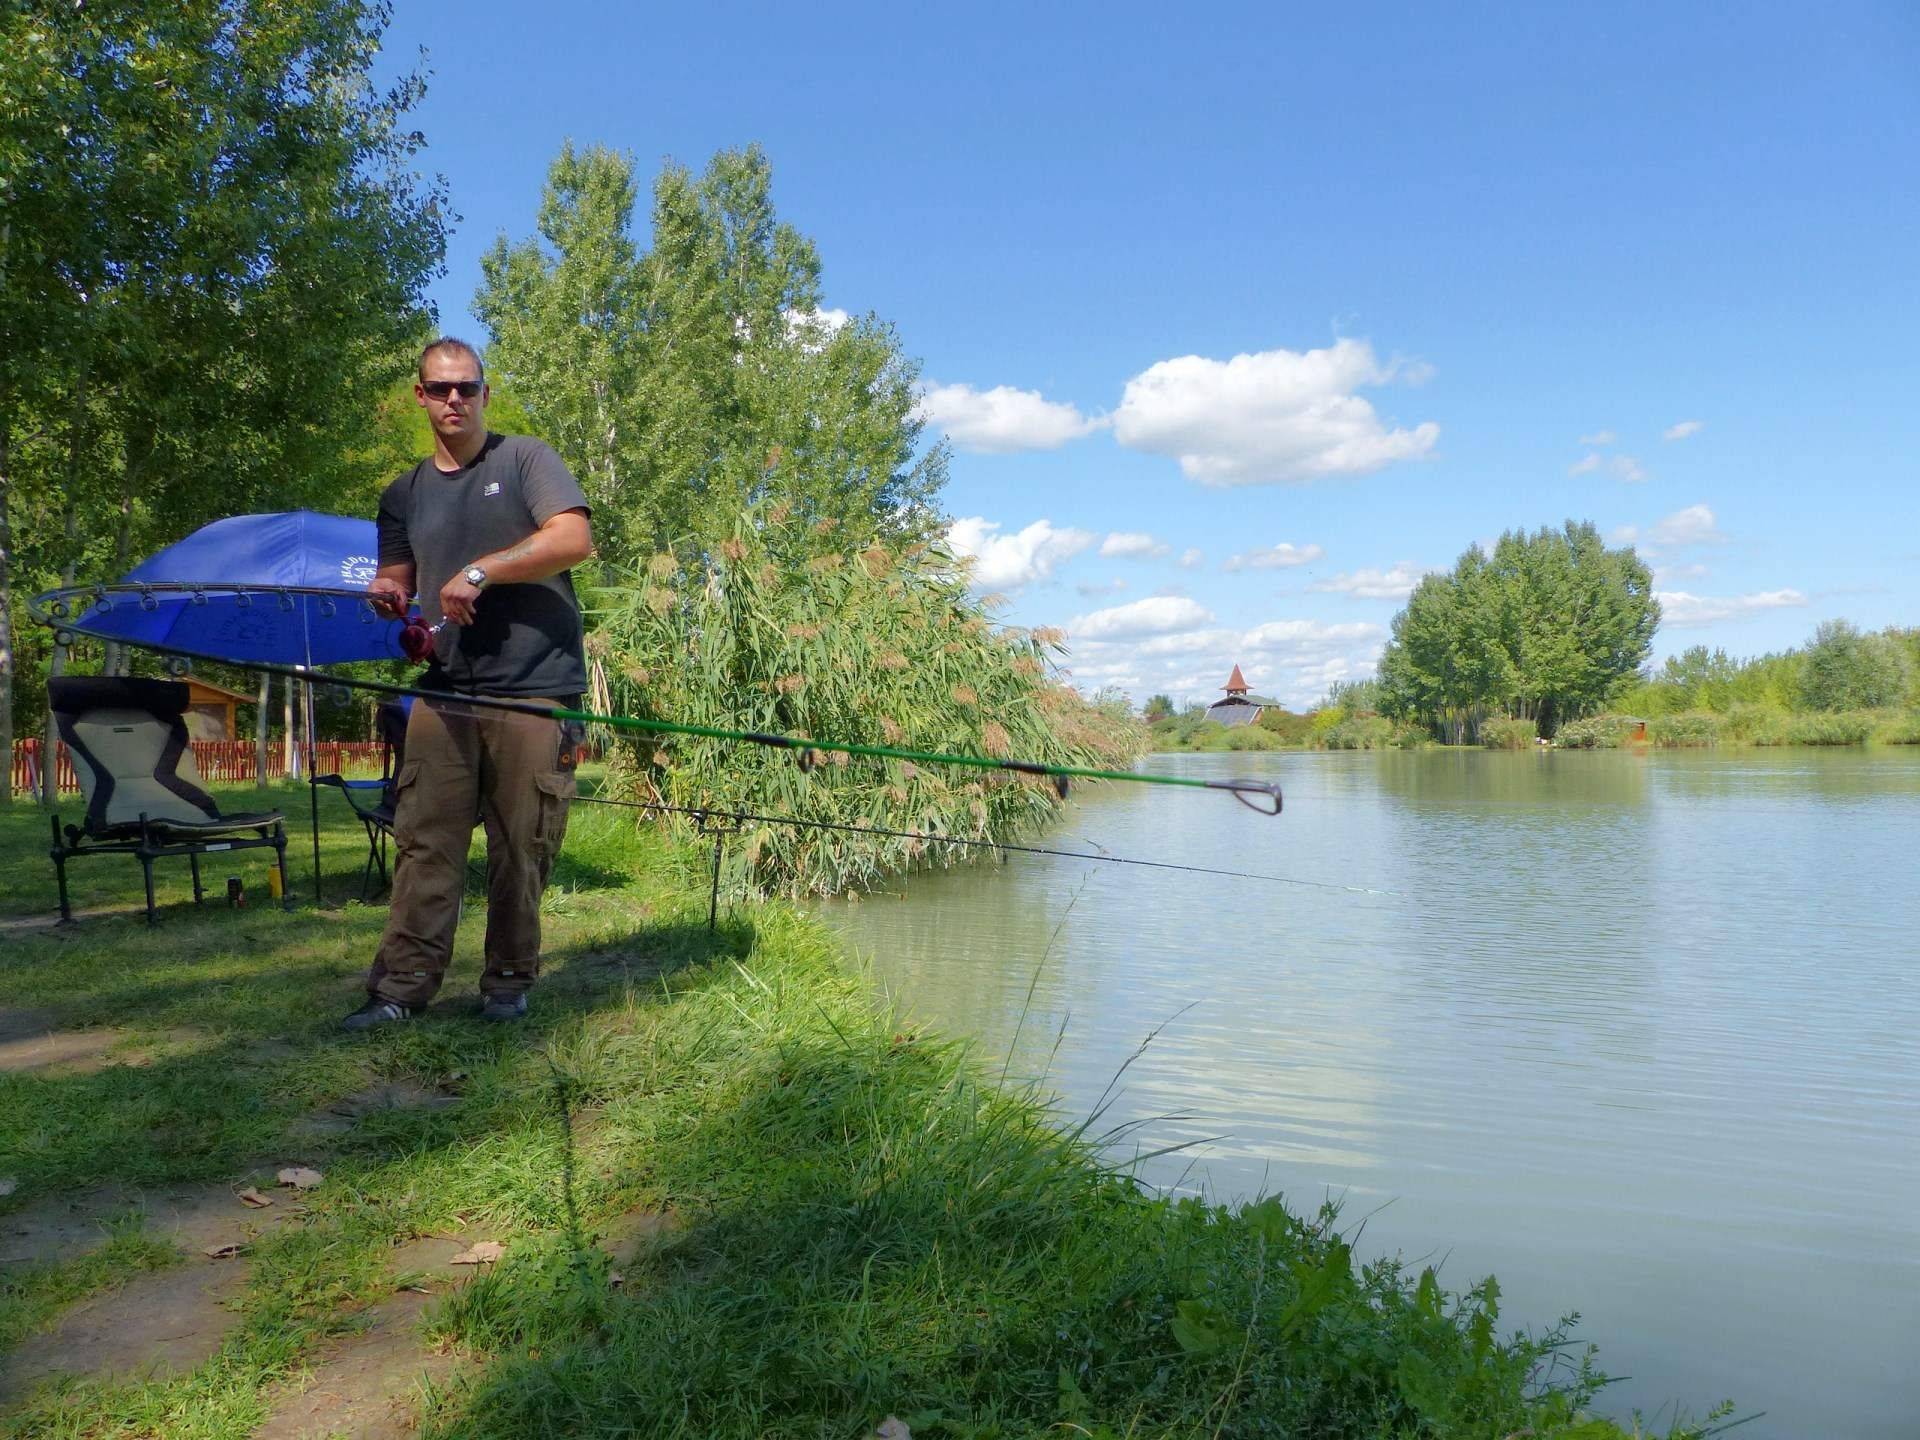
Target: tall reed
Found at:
775, 629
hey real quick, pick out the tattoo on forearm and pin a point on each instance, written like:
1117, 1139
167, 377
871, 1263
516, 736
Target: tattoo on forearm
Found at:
520, 551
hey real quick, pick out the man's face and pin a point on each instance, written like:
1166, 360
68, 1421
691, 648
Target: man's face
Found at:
456, 416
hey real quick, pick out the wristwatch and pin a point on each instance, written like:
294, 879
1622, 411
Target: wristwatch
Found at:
474, 576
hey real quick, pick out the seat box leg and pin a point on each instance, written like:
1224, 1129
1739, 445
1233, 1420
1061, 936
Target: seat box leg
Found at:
59, 853
193, 863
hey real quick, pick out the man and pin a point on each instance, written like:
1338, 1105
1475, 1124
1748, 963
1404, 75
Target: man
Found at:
485, 531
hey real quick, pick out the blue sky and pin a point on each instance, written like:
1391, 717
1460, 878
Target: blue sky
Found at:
1311, 300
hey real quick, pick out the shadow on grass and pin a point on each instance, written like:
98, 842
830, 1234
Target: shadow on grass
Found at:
244, 1051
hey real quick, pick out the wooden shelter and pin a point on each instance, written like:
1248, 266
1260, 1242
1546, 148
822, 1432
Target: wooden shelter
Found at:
210, 710
1241, 707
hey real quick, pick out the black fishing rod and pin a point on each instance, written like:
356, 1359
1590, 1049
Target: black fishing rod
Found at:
1262, 797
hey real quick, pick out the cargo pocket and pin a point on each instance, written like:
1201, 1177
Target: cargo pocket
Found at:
557, 790
398, 788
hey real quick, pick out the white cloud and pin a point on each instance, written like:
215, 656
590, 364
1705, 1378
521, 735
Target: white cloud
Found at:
1158, 615
1375, 584
1192, 558
1695, 525
1667, 574
1623, 467
1283, 556
1599, 437
1277, 415
1003, 419
1006, 562
1133, 545
1681, 610
1091, 588
1684, 429
1293, 635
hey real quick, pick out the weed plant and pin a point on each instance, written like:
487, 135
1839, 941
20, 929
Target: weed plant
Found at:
1507, 733
1832, 727
1597, 732
1694, 730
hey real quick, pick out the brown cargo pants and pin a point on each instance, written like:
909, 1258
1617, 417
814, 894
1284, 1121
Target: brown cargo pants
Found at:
464, 765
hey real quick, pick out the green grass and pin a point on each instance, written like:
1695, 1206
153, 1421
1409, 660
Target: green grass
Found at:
867, 1222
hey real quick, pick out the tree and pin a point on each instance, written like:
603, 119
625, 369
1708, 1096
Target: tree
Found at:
686, 382
1844, 669
1158, 708
1541, 630
213, 253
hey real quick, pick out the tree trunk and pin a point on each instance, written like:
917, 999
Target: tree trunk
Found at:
6, 618
139, 451
292, 753
260, 730
49, 769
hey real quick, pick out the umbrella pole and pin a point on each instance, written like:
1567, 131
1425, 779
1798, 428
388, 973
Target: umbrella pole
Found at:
313, 789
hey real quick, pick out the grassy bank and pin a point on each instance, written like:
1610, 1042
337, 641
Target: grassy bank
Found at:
838, 1221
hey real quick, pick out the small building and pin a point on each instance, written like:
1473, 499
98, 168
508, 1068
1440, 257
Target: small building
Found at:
210, 710
1241, 707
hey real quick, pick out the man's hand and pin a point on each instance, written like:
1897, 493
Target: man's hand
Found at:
456, 600
389, 596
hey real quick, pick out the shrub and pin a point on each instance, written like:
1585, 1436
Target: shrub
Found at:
1598, 732
1757, 725
1695, 729
1361, 732
1508, 733
1833, 727
1901, 729
1844, 669
1292, 729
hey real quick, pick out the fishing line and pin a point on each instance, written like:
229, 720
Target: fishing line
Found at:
738, 816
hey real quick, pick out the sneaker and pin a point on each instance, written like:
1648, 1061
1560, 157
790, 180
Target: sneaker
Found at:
503, 1008
376, 1012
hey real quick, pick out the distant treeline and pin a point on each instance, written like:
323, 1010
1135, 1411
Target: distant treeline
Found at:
1845, 686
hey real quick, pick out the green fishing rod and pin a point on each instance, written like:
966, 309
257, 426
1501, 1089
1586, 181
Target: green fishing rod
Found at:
1262, 797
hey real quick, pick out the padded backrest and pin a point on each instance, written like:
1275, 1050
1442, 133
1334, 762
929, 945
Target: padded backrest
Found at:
130, 749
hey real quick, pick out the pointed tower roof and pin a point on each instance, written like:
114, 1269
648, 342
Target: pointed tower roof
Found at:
1237, 683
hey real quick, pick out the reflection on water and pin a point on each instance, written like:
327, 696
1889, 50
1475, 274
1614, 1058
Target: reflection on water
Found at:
1640, 1033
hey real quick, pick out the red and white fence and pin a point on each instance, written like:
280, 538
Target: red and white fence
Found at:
223, 761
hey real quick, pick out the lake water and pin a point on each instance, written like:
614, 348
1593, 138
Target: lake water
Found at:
1639, 1033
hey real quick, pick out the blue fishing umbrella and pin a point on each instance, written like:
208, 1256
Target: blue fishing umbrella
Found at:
288, 589
284, 589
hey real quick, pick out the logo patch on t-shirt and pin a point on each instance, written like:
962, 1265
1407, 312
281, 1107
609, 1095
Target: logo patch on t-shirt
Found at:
493, 488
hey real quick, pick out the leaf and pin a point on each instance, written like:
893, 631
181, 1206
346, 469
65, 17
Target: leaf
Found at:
224, 1252
1200, 1329
254, 1198
299, 1177
483, 1252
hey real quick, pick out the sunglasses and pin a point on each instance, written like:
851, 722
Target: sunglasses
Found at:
441, 389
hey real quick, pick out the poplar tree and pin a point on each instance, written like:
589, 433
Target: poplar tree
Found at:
1543, 629
688, 379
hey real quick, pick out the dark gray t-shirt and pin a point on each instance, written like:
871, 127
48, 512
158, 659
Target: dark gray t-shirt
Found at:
525, 639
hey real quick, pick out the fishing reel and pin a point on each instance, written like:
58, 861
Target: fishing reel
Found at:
416, 639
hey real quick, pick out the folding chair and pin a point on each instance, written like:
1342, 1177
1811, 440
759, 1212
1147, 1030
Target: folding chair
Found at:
373, 801
141, 785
